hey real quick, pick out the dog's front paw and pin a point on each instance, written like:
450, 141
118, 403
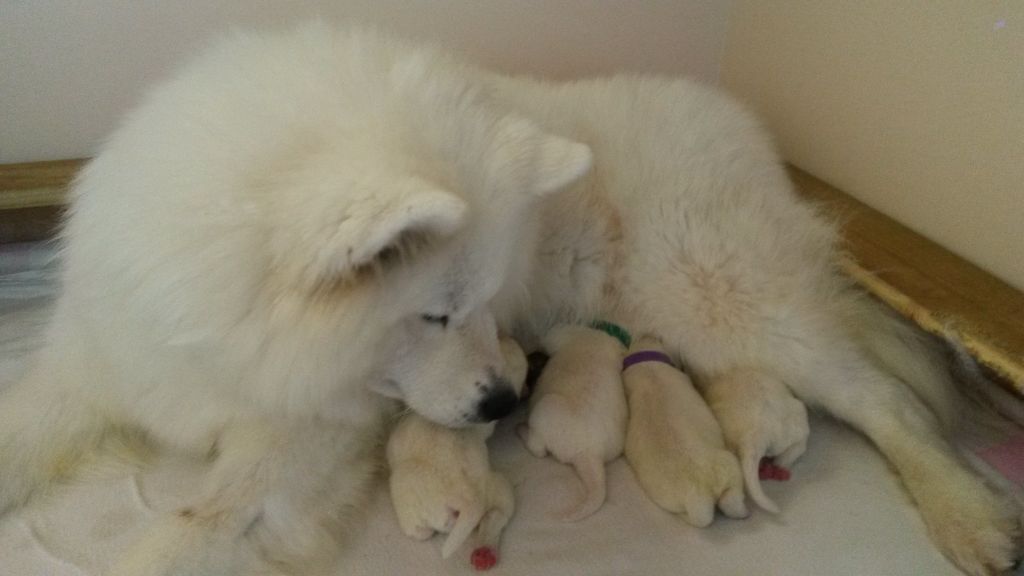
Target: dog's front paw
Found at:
977, 529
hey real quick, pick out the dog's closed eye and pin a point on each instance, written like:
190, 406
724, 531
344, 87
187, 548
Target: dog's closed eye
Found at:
441, 319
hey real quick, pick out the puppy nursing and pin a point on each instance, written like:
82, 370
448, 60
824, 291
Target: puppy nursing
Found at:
673, 442
759, 417
578, 409
441, 479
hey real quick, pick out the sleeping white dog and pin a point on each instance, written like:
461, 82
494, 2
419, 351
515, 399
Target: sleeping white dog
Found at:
759, 417
578, 409
673, 442
441, 479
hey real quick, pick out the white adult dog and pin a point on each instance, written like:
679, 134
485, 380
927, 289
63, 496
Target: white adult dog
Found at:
298, 222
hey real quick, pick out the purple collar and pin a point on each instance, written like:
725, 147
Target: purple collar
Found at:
645, 356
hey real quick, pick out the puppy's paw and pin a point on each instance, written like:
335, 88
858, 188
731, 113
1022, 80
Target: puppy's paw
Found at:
699, 509
420, 533
977, 529
733, 503
731, 497
716, 482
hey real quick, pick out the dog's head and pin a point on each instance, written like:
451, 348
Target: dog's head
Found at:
405, 245
304, 214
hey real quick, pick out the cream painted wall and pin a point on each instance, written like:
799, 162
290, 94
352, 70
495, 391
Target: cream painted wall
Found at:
915, 107
68, 70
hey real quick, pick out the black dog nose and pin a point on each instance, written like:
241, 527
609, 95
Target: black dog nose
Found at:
498, 404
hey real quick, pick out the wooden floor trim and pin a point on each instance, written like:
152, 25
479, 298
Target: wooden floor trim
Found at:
37, 175
32, 197
938, 290
941, 292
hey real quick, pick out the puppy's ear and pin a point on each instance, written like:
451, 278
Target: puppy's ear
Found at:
555, 161
385, 226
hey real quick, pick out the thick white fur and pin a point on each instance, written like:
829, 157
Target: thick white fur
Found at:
248, 262
675, 446
578, 409
223, 286
693, 228
441, 479
759, 417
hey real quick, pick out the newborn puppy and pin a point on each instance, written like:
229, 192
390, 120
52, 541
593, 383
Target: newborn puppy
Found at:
441, 479
673, 442
578, 410
759, 417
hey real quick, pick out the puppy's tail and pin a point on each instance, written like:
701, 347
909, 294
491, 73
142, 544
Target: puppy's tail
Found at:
44, 433
502, 506
469, 517
751, 461
590, 469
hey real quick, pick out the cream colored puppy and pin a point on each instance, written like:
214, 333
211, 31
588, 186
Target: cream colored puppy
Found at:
578, 409
441, 479
759, 417
673, 442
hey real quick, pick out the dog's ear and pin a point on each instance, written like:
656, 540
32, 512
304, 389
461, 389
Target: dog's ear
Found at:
560, 163
555, 161
386, 226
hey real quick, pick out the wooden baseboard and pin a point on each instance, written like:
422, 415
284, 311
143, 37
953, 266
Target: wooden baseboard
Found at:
32, 197
941, 292
938, 290
28, 176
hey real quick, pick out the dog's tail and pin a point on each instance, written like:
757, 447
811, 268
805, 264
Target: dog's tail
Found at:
590, 469
45, 431
918, 360
470, 514
905, 353
982, 388
750, 460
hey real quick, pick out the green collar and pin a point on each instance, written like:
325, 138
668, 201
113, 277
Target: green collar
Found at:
614, 330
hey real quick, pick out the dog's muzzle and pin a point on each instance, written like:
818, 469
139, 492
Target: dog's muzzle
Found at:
499, 402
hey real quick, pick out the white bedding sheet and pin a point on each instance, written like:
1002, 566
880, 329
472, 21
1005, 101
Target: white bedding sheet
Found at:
844, 512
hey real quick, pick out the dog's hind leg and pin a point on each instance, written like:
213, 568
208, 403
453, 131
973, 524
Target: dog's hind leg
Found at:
277, 499
45, 430
973, 525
